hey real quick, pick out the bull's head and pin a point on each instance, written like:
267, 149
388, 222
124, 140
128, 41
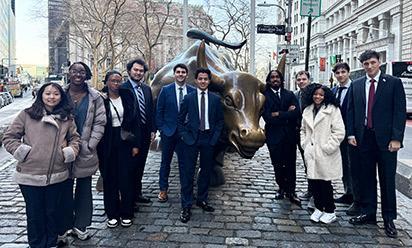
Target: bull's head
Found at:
242, 101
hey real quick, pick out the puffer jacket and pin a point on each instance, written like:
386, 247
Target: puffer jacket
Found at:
87, 162
43, 148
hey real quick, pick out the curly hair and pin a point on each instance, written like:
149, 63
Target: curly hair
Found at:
309, 91
64, 108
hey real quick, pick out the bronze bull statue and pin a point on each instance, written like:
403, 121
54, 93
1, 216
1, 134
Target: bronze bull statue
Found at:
241, 95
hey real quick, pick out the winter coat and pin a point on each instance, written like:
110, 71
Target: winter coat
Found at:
87, 162
320, 138
43, 148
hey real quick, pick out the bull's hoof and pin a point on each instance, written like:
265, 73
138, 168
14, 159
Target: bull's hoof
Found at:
217, 177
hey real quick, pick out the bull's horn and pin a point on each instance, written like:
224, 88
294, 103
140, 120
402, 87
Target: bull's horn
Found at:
202, 63
202, 35
282, 63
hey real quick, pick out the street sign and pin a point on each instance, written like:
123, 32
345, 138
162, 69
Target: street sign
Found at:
310, 7
271, 29
292, 52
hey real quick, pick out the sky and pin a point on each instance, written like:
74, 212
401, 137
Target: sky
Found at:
31, 32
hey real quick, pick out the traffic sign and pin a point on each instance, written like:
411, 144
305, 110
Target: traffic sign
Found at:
271, 29
310, 7
292, 52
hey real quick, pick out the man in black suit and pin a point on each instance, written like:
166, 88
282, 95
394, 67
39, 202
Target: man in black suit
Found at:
350, 176
280, 112
200, 123
375, 126
140, 106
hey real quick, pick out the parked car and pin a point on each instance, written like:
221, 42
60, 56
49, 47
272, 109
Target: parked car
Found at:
5, 98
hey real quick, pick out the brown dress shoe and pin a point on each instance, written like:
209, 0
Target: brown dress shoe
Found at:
162, 197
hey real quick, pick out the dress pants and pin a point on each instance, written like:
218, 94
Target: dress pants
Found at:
42, 213
346, 168
187, 169
370, 155
355, 174
283, 156
141, 160
114, 179
169, 145
322, 191
76, 210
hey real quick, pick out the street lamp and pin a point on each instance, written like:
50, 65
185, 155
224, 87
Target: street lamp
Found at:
287, 17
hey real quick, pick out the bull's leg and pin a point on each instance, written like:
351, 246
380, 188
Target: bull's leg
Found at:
217, 176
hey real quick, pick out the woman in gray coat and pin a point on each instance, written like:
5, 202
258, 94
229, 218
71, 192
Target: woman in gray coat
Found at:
90, 118
44, 141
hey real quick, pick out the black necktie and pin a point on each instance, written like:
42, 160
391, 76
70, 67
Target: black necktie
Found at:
180, 97
277, 95
339, 95
202, 112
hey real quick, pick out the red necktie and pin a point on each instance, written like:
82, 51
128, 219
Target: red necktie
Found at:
371, 101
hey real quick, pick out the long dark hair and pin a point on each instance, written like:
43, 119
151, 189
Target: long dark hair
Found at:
329, 97
64, 108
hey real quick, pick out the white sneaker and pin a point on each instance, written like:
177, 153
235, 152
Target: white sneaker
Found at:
126, 222
316, 215
82, 235
328, 218
311, 204
112, 223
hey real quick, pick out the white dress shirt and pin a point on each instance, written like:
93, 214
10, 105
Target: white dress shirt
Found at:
344, 91
116, 103
199, 97
276, 91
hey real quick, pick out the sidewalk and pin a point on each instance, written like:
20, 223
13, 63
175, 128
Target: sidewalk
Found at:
246, 215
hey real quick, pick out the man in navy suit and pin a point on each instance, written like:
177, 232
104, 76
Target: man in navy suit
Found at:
141, 111
281, 112
200, 123
350, 176
168, 105
375, 126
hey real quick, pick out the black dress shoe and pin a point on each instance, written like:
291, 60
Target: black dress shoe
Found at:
203, 205
185, 215
280, 195
363, 219
354, 210
390, 229
345, 199
294, 199
142, 199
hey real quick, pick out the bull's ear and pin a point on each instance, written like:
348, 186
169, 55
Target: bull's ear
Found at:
201, 55
262, 87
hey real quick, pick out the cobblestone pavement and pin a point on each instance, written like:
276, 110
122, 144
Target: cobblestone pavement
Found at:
246, 215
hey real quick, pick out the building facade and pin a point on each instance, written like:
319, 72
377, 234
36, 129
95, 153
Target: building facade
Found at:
346, 28
7, 38
58, 36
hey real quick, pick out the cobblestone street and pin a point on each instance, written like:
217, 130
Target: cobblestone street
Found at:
246, 215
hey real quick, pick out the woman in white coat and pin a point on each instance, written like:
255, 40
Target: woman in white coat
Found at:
321, 133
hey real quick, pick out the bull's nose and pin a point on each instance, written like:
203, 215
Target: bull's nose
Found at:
256, 135
244, 132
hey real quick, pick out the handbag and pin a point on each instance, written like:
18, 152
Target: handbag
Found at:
124, 135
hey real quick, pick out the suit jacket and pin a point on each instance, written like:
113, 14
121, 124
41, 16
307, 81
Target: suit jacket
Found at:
389, 110
167, 109
281, 127
188, 121
344, 106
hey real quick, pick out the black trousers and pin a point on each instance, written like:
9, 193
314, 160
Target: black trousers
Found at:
283, 156
141, 160
370, 156
323, 195
355, 173
115, 182
42, 204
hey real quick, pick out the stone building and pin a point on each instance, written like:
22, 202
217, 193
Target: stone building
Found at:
7, 38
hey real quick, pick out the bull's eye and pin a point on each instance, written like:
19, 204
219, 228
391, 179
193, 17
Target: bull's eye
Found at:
229, 102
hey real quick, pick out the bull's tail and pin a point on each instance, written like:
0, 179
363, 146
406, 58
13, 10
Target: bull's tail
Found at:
202, 35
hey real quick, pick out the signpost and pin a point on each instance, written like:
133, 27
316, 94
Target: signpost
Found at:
292, 52
271, 29
310, 7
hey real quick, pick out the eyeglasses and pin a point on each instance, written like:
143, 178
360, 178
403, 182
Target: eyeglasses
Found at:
74, 72
115, 81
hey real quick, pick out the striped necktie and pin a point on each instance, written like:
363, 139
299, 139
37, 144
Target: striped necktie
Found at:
142, 107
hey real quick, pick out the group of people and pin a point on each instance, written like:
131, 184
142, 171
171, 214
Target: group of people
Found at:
349, 132
68, 133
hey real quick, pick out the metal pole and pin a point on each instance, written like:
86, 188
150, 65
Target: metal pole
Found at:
252, 67
308, 43
185, 23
